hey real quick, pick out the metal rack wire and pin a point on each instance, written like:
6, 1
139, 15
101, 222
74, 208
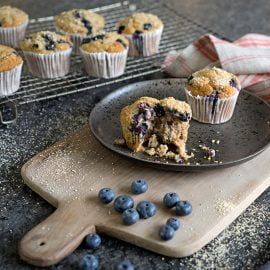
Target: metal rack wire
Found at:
179, 31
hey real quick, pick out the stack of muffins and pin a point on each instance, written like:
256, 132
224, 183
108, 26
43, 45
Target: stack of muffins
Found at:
47, 53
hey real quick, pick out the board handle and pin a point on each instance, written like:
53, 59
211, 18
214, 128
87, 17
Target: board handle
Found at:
57, 236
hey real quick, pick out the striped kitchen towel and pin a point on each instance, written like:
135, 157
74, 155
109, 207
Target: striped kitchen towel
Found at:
247, 57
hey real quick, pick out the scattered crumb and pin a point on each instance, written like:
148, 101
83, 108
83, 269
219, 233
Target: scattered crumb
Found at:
119, 141
224, 206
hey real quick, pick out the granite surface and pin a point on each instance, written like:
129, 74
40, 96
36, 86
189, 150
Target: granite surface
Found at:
243, 245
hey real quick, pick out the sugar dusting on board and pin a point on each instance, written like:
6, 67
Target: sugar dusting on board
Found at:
63, 171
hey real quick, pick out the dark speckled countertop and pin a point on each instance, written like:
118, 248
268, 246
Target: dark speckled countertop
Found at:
245, 244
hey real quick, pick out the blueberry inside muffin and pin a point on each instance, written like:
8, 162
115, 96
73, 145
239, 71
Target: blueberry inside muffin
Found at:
157, 127
79, 21
105, 42
214, 83
46, 42
139, 23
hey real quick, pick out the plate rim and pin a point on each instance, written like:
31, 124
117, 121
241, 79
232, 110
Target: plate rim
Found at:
160, 164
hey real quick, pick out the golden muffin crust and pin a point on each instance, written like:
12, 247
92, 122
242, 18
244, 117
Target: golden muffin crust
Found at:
160, 123
9, 58
210, 81
45, 42
11, 16
105, 42
139, 23
79, 21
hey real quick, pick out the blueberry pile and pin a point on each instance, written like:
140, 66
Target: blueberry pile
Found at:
145, 209
182, 208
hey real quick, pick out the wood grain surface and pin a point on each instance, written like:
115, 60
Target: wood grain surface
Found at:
71, 172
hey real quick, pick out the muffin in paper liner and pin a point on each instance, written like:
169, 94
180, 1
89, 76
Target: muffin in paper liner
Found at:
211, 109
144, 44
10, 80
11, 36
51, 65
104, 64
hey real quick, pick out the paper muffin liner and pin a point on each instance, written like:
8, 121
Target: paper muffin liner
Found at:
207, 110
50, 65
11, 36
104, 64
144, 44
10, 80
76, 39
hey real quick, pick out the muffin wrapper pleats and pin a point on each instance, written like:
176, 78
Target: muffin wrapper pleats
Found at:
51, 65
11, 36
205, 110
144, 44
10, 80
76, 39
104, 64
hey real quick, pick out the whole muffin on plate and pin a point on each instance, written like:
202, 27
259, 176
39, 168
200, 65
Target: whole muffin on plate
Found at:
79, 23
152, 126
47, 54
212, 94
10, 70
13, 23
143, 31
104, 54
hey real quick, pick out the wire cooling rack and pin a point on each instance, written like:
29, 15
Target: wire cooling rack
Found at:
179, 31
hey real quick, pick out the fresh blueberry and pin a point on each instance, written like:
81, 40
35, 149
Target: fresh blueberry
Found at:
183, 208
174, 223
170, 199
89, 262
166, 232
130, 216
122, 203
121, 28
124, 265
147, 26
146, 209
139, 186
93, 241
106, 195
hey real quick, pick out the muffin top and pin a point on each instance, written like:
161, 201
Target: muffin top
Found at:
9, 58
79, 21
139, 23
10, 16
45, 42
105, 42
213, 81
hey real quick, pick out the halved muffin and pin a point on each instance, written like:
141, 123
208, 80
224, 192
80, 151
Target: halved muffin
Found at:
157, 127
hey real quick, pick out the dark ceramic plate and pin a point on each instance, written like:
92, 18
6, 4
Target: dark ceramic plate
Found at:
242, 138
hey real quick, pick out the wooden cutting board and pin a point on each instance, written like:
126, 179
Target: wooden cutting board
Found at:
71, 172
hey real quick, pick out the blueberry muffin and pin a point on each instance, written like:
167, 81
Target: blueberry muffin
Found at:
212, 94
157, 127
79, 23
13, 23
10, 70
47, 54
144, 33
104, 54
